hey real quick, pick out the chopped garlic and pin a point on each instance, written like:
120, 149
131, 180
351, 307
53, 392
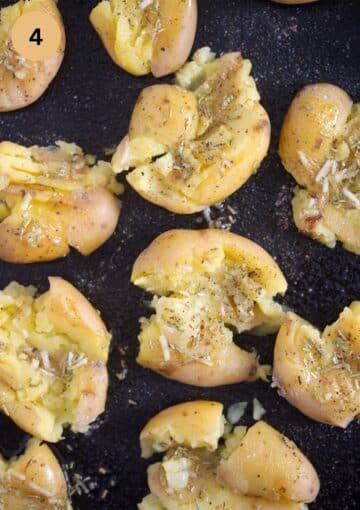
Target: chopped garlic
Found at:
204, 55
258, 410
236, 412
177, 472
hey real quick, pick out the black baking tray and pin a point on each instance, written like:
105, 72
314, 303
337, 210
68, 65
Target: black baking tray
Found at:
90, 102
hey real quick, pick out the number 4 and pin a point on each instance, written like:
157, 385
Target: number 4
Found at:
36, 37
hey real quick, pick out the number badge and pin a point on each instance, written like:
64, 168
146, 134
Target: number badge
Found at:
36, 35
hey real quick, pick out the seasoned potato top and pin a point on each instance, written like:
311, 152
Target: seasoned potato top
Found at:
147, 35
206, 282
22, 81
320, 147
320, 372
192, 144
34, 480
53, 353
53, 198
258, 468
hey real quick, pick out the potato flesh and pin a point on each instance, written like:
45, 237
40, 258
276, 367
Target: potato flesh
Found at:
54, 198
48, 367
33, 480
319, 145
195, 477
199, 300
153, 38
319, 373
218, 135
23, 81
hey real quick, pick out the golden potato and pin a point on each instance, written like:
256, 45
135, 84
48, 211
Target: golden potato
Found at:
197, 424
52, 199
285, 471
193, 144
319, 146
34, 480
258, 469
319, 373
23, 81
147, 36
54, 350
204, 282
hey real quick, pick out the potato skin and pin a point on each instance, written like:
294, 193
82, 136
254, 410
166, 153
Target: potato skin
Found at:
84, 221
195, 424
41, 471
174, 247
151, 111
172, 46
233, 366
331, 397
82, 216
269, 465
316, 117
161, 51
70, 314
17, 93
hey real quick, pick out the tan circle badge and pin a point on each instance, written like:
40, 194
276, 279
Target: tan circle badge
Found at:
36, 35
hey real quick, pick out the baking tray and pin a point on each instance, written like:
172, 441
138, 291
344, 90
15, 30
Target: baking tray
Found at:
90, 102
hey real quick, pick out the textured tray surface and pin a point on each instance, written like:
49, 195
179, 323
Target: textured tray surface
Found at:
90, 102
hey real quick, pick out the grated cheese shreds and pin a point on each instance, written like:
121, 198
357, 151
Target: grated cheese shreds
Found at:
330, 165
41, 490
325, 186
145, 3
45, 360
303, 158
165, 347
352, 197
35, 363
15, 474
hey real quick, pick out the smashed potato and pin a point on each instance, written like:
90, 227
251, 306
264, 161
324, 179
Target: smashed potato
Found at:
320, 147
255, 469
34, 480
206, 282
319, 373
23, 81
193, 144
147, 35
52, 199
54, 350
